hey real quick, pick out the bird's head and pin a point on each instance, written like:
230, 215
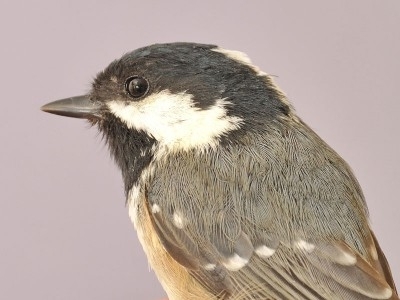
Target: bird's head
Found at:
176, 97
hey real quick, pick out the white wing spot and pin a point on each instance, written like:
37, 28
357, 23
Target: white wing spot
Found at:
347, 259
210, 267
305, 246
179, 220
235, 262
155, 208
264, 251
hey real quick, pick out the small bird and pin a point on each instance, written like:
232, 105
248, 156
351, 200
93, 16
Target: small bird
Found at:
232, 195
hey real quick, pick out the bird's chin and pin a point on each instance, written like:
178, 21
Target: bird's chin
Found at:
95, 120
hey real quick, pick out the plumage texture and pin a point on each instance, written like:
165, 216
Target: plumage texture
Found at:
248, 204
226, 214
272, 212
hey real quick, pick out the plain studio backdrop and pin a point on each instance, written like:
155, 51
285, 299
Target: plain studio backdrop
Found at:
64, 227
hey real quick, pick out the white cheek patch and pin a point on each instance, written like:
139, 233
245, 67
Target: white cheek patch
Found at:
175, 122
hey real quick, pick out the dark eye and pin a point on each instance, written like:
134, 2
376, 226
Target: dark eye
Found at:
136, 86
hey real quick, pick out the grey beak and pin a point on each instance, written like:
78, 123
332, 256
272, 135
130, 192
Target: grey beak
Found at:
75, 107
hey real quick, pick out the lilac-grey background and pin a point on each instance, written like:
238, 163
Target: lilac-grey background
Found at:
65, 232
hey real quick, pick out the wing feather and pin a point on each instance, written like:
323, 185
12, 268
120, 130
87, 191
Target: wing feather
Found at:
226, 219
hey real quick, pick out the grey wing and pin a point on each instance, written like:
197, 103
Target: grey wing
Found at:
232, 267
235, 251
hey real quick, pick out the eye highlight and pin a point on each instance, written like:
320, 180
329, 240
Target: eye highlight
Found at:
136, 86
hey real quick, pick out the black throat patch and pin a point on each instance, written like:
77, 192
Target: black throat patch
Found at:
131, 149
